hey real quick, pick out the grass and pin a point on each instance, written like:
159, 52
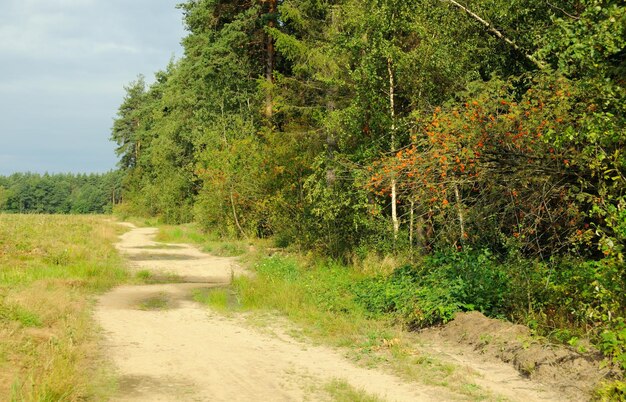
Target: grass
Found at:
50, 269
16, 313
158, 302
341, 391
145, 277
207, 242
221, 299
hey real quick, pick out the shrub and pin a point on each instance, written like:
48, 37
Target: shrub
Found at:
442, 285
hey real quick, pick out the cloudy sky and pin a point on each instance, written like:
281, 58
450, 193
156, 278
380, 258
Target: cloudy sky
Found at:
63, 66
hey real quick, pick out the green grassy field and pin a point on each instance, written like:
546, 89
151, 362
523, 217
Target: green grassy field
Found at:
51, 267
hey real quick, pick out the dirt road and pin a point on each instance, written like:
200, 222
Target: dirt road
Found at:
168, 348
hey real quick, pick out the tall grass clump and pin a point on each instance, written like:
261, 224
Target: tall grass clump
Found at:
50, 268
314, 294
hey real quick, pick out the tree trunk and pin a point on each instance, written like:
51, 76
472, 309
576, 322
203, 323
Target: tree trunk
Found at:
137, 152
270, 61
232, 203
392, 114
411, 220
459, 206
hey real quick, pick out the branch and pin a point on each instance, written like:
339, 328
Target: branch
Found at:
498, 34
232, 203
563, 11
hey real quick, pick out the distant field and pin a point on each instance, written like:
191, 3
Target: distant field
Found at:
50, 268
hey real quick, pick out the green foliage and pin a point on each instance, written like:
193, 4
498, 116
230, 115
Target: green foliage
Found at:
611, 391
199, 144
613, 343
405, 295
590, 294
442, 285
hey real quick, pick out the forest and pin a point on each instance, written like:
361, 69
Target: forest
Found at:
60, 193
483, 142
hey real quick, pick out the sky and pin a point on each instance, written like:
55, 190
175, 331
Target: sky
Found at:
63, 68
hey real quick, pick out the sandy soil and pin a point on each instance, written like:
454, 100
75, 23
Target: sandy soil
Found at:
571, 373
184, 352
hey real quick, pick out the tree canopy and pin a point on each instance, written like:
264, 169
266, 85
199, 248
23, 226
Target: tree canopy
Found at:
307, 118
60, 193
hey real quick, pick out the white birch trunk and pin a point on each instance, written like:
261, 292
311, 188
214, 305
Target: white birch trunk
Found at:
392, 113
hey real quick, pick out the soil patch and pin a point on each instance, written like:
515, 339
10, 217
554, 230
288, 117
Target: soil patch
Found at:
572, 373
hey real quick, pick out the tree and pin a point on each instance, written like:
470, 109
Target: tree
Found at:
126, 130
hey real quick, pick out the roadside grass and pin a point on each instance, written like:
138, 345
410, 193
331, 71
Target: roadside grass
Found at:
224, 300
316, 295
145, 277
341, 391
50, 269
209, 243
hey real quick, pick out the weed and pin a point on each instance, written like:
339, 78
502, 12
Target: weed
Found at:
144, 275
486, 339
161, 246
613, 343
221, 299
318, 296
611, 391
528, 369
150, 278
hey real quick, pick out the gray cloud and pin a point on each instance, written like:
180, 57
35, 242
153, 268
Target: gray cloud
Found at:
63, 65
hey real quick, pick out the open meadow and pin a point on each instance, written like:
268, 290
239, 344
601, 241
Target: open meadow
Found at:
51, 267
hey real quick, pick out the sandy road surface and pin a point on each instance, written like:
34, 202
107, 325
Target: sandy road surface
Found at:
188, 353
